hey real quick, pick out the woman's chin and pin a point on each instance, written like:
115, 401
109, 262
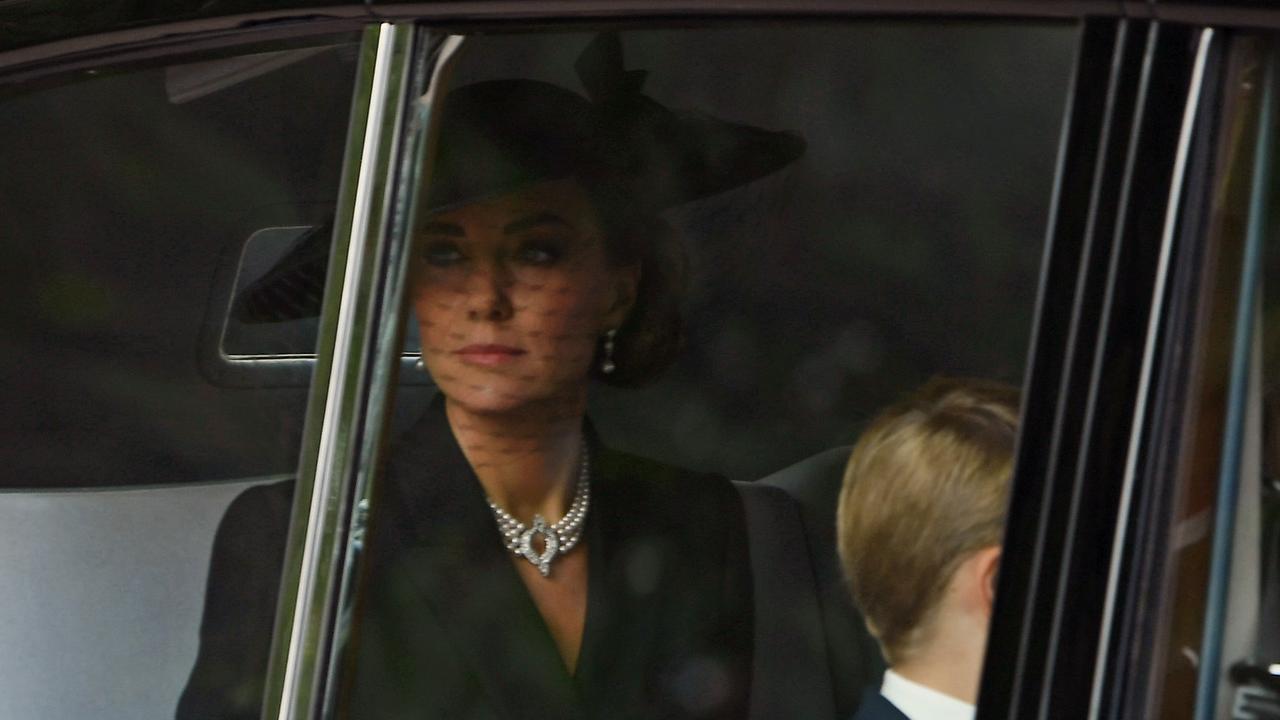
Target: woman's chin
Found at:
498, 399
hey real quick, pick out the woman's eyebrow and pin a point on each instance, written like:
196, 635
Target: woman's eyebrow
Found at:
443, 228
533, 221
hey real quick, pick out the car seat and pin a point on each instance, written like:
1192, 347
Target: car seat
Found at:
854, 661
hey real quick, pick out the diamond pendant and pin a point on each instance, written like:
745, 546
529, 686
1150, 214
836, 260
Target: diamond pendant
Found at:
550, 545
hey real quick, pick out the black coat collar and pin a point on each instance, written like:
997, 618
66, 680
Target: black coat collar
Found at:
440, 535
448, 608
442, 538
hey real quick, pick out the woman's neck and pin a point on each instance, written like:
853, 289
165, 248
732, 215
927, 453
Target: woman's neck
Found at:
527, 462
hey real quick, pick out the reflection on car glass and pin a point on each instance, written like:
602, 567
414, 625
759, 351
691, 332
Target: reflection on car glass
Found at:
184, 83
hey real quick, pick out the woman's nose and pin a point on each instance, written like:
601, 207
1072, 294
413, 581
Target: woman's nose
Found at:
489, 294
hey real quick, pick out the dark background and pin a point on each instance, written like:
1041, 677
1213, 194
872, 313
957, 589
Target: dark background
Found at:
905, 243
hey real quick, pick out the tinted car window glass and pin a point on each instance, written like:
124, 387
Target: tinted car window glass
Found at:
128, 197
887, 228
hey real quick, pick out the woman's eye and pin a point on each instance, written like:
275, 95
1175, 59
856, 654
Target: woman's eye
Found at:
539, 253
442, 254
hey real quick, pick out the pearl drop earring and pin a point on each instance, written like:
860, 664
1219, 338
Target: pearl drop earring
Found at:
607, 365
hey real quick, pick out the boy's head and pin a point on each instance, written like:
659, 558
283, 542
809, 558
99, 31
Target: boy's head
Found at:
924, 493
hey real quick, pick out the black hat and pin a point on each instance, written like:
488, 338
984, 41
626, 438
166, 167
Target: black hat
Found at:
498, 136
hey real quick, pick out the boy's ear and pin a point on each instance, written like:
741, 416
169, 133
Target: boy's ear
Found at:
989, 571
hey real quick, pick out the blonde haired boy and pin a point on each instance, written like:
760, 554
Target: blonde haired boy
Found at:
920, 523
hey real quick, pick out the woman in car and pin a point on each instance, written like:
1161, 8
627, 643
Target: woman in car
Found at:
516, 565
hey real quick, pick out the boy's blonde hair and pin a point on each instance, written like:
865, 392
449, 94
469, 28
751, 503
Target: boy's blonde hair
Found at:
925, 487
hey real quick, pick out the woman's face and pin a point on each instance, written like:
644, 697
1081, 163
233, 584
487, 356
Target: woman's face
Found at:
512, 295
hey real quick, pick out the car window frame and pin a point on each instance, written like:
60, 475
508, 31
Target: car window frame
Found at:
1050, 605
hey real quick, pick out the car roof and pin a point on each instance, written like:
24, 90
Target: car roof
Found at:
33, 32
31, 23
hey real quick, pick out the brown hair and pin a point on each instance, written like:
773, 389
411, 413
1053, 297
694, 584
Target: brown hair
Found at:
925, 487
653, 334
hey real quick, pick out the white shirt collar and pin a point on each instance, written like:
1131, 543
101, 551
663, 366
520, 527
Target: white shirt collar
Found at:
922, 703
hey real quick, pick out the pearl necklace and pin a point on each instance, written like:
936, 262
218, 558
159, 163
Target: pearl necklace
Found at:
557, 538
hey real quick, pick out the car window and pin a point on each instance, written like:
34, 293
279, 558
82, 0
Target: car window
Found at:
134, 199
870, 218
1212, 615
1240, 670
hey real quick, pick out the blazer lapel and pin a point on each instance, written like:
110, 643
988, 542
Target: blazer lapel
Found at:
441, 541
627, 562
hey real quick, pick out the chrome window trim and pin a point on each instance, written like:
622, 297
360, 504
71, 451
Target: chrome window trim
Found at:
1096, 360
1079, 398
433, 58
304, 615
1143, 396
434, 54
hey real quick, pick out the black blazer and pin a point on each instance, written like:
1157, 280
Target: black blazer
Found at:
876, 707
446, 628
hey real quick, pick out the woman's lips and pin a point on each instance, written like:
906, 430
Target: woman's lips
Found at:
489, 354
